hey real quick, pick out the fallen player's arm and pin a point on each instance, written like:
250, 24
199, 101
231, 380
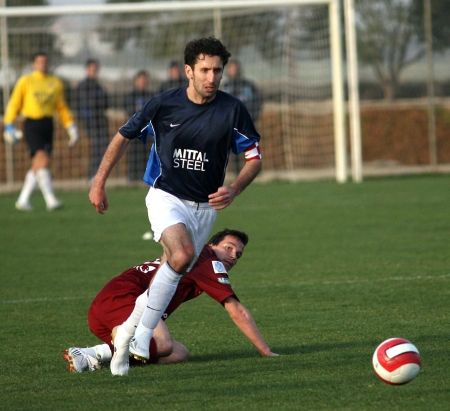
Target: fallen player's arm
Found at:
243, 319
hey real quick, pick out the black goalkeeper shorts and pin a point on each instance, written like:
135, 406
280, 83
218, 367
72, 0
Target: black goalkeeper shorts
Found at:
39, 134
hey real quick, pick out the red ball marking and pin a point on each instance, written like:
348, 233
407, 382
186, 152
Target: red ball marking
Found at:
391, 364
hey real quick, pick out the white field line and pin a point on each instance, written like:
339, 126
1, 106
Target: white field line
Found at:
44, 300
346, 281
387, 279
342, 281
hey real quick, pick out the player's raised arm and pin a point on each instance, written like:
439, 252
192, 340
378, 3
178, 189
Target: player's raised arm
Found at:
243, 319
97, 193
224, 195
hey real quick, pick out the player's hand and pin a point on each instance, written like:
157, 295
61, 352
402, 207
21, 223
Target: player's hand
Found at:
97, 197
72, 132
12, 135
222, 198
268, 353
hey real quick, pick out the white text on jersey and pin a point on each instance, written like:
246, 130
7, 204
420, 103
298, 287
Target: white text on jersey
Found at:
189, 159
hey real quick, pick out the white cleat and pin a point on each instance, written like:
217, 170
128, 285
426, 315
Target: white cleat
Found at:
54, 205
23, 206
120, 362
79, 360
139, 347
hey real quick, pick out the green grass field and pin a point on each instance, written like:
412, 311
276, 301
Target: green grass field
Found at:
330, 271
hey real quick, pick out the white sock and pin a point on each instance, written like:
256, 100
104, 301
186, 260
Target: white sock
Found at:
28, 187
44, 179
161, 291
132, 321
102, 352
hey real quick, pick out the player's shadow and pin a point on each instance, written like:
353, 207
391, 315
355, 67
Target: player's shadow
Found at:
332, 346
305, 349
225, 356
368, 344
302, 349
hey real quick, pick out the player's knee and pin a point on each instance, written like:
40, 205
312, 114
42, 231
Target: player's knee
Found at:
180, 353
181, 259
165, 347
41, 159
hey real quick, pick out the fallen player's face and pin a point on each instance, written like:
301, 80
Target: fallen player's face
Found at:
229, 250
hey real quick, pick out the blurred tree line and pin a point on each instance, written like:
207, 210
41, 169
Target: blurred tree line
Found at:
391, 36
26, 37
390, 33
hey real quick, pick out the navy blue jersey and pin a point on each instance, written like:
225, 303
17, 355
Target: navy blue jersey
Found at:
192, 141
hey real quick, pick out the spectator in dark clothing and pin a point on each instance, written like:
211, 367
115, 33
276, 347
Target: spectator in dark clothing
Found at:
176, 77
91, 105
138, 150
246, 91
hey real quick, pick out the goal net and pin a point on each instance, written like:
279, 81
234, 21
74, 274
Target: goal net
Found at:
283, 49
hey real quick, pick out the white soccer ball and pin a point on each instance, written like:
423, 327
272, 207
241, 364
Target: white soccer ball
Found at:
396, 361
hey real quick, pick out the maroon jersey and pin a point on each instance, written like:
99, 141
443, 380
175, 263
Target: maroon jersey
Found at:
115, 301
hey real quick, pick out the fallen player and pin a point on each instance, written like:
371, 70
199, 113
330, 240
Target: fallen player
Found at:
122, 300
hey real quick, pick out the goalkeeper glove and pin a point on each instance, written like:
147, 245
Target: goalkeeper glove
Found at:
11, 134
72, 132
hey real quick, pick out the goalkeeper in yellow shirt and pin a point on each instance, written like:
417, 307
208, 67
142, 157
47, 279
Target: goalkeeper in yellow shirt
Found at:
37, 97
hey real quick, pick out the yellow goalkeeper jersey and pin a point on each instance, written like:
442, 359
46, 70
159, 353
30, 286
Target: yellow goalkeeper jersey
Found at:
38, 95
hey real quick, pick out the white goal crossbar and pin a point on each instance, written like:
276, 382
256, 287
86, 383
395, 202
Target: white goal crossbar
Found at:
151, 7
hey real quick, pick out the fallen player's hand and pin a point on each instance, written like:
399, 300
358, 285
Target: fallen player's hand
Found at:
272, 354
268, 353
12, 135
72, 132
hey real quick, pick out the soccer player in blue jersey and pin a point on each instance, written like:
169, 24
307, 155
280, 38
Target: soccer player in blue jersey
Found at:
194, 129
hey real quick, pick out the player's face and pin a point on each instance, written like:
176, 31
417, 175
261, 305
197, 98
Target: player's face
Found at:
204, 78
232, 70
229, 250
40, 63
92, 70
141, 82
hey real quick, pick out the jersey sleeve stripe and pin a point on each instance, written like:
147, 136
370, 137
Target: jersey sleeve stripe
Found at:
153, 169
253, 153
242, 142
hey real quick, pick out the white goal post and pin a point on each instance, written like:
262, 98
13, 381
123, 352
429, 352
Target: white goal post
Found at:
290, 99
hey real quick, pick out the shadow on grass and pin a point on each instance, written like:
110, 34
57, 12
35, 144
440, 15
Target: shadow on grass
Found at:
282, 350
304, 349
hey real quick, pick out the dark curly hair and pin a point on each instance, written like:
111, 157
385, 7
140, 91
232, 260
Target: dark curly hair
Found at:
209, 46
218, 237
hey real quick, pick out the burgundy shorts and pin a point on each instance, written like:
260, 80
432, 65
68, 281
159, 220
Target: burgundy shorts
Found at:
110, 312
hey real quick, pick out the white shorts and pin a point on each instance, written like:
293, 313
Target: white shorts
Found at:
165, 210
